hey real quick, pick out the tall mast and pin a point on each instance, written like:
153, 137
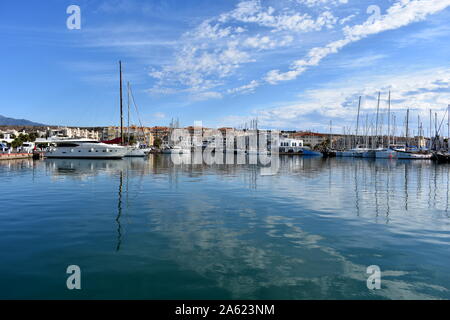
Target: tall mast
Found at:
389, 119
367, 131
357, 122
407, 127
376, 127
435, 131
345, 138
448, 128
431, 139
331, 134
121, 106
418, 130
128, 118
393, 130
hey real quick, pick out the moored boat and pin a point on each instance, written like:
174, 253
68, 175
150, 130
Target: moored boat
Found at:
417, 155
85, 148
442, 157
137, 151
386, 153
176, 150
308, 152
329, 154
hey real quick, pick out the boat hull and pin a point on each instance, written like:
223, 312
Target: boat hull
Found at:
386, 154
369, 154
87, 151
311, 153
413, 156
136, 152
442, 157
82, 157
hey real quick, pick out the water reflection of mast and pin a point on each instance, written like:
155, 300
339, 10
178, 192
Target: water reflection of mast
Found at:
435, 185
419, 182
388, 208
406, 186
448, 188
376, 190
119, 212
356, 189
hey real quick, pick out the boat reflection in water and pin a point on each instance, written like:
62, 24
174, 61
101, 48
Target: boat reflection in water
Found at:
149, 228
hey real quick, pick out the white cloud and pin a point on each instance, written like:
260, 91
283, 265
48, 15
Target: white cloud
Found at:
418, 90
252, 12
219, 46
250, 87
347, 19
266, 42
275, 76
206, 96
159, 115
314, 3
366, 60
400, 14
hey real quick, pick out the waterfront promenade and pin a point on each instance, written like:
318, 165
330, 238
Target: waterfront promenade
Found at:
13, 156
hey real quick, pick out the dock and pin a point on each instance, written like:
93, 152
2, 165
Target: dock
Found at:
14, 156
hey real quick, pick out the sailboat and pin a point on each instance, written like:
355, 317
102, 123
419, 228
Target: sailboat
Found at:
410, 153
372, 153
414, 155
136, 150
87, 148
389, 152
443, 155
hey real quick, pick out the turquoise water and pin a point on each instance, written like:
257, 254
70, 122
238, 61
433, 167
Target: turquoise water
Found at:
148, 229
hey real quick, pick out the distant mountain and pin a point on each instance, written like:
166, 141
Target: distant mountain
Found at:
4, 121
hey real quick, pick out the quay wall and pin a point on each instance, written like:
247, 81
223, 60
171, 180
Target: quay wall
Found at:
12, 156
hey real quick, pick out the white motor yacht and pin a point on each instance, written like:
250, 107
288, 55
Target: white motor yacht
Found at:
85, 148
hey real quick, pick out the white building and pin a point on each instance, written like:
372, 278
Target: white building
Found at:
290, 145
73, 133
7, 138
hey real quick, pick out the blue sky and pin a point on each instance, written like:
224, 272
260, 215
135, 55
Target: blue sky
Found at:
293, 64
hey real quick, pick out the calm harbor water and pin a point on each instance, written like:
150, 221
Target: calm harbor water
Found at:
149, 229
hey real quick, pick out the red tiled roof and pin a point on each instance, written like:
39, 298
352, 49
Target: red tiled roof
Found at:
303, 134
